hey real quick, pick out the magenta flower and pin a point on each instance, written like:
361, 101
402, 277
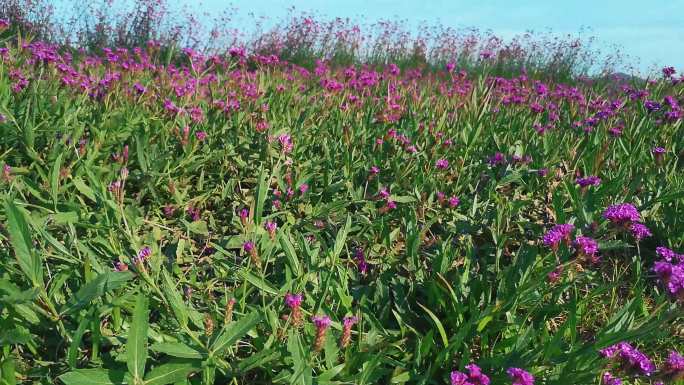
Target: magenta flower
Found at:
629, 356
347, 323
374, 170
609, 379
557, 233
454, 201
442, 164
589, 181
201, 135
640, 231
586, 246
497, 159
474, 376
622, 213
142, 255
674, 363
303, 188
520, 377
360, 259
248, 246
293, 300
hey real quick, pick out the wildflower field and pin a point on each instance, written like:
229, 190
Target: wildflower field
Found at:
173, 217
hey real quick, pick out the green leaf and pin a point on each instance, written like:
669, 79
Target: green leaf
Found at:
171, 372
93, 377
234, 331
7, 370
438, 323
54, 177
95, 289
84, 189
176, 349
258, 282
72, 353
289, 252
262, 189
172, 295
20, 238
341, 238
136, 346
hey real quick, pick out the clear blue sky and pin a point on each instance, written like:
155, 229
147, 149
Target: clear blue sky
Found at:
652, 31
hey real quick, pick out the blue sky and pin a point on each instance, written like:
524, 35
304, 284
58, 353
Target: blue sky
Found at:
652, 31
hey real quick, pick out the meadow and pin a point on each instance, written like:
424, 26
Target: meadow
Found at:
175, 217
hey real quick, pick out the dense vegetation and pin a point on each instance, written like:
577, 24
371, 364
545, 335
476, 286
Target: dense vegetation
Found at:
180, 217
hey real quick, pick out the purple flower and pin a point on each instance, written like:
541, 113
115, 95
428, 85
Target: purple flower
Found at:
622, 213
652, 106
248, 246
669, 255
321, 322
350, 321
474, 376
303, 188
586, 246
293, 300
555, 275
286, 143
142, 255
454, 201
640, 231
658, 150
168, 210
589, 181
139, 88
520, 377
609, 379
361, 261
557, 233
201, 135
497, 159
668, 71
675, 362
629, 356
374, 170
442, 164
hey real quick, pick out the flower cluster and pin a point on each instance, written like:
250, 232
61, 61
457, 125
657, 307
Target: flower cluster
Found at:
620, 214
473, 377
589, 181
631, 358
520, 376
670, 271
557, 234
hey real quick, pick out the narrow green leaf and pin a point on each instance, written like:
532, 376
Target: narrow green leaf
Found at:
84, 189
290, 253
176, 349
54, 177
234, 331
95, 289
262, 189
136, 346
258, 282
438, 323
172, 295
171, 372
20, 238
93, 377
